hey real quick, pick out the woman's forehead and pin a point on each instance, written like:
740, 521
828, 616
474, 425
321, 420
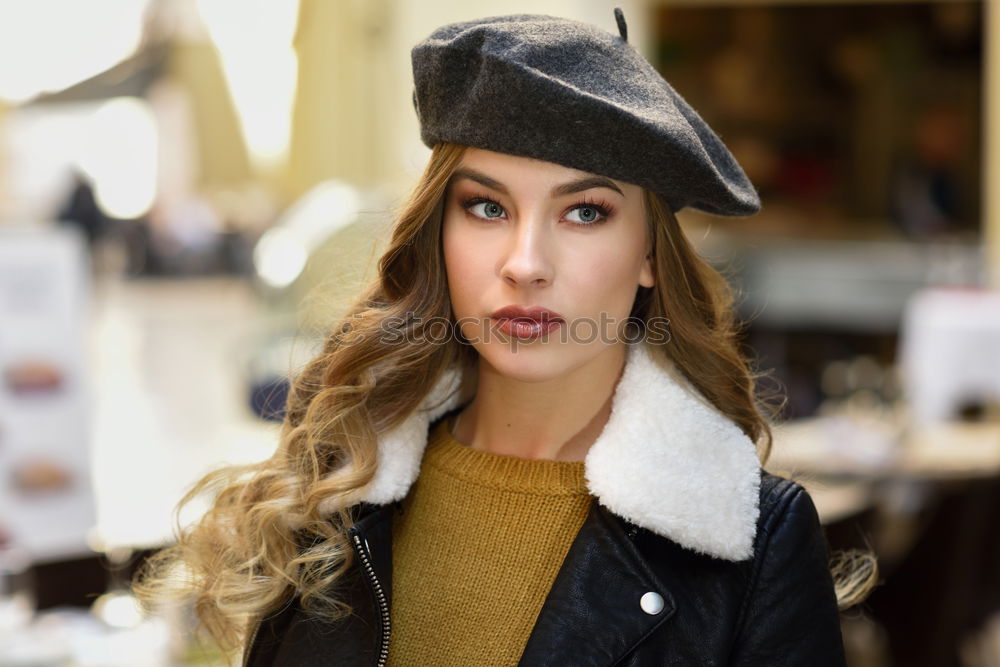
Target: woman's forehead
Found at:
484, 157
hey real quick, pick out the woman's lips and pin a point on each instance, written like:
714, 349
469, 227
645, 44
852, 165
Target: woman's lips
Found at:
528, 328
527, 323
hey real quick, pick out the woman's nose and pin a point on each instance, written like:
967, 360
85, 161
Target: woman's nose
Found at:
526, 260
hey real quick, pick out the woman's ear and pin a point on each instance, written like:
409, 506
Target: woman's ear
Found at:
647, 275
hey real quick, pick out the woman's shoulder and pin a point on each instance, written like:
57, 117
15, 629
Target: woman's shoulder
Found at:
777, 491
786, 510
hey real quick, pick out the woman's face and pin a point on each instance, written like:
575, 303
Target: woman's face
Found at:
527, 233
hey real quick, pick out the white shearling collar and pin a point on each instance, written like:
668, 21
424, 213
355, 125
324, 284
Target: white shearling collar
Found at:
666, 460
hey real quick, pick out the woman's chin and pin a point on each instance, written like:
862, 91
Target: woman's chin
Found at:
529, 361
536, 361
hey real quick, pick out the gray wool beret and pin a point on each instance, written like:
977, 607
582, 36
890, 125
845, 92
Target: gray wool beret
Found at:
571, 93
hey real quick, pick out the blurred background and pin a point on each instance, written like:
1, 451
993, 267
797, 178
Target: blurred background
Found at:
191, 191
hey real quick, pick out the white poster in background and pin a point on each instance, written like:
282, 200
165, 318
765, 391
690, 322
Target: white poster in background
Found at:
46, 498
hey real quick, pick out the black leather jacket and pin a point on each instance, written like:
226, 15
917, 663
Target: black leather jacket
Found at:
777, 608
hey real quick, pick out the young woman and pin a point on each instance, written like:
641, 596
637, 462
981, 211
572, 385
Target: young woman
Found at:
533, 440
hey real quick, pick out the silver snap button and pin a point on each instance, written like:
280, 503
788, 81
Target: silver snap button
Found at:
651, 603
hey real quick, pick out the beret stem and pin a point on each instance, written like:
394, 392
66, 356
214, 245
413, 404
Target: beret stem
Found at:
620, 20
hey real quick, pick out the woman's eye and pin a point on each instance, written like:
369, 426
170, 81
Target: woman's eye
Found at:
487, 209
586, 214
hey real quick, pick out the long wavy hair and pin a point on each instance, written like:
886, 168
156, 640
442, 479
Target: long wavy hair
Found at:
266, 537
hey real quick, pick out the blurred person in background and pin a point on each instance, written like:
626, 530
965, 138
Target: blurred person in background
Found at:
926, 184
81, 209
534, 438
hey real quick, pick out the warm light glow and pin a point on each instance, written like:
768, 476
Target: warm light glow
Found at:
279, 257
119, 154
326, 208
48, 45
254, 39
118, 609
281, 253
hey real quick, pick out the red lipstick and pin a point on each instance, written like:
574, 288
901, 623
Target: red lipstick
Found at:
529, 323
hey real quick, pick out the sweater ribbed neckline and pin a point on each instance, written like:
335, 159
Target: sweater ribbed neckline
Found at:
501, 471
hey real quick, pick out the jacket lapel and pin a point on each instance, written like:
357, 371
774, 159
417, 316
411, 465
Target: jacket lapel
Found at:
592, 614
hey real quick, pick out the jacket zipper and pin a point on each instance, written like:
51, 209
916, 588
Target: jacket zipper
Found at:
383, 604
249, 645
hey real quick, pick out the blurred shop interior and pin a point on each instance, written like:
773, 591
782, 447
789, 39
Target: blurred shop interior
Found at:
191, 192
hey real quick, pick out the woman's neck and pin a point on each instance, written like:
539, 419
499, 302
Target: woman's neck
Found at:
557, 419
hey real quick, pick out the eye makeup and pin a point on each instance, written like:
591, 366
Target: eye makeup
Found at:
602, 207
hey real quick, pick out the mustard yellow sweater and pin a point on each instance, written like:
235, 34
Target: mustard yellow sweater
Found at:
476, 550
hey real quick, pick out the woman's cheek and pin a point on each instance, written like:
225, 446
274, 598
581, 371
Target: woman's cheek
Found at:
463, 281
606, 276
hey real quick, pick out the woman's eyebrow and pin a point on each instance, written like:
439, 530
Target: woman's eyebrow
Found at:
586, 183
578, 185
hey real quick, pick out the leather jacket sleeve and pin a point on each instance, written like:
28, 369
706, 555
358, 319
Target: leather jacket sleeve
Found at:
790, 614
